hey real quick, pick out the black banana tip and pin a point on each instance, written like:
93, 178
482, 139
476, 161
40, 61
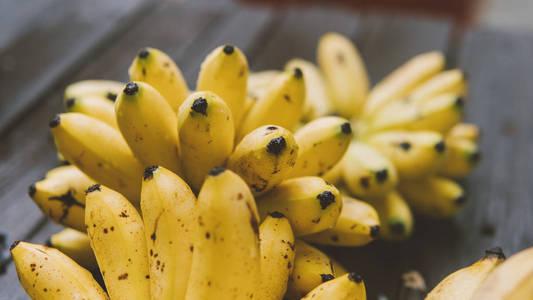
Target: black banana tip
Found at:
276, 145
92, 188
474, 157
382, 175
56, 120
70, 102
276, 214
326, 198
149, 172
355, 277
346, 128
272, 128
460, 102
14, 245
111, 96
397, 228
199, 105
374, 231
32, 190
216, 171
131, 89
327, 277
405, 146
298, 73
48, 242
460, 200
228, 49
440, 147
495, 252
144, 53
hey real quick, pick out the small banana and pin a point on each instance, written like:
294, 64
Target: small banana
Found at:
277, 256
264, 157
347, 287
357, 225
450, 81
395, 217
225, 73
311, 204
461, 158
61, 196
95, 106
206, 133
345, 73
116, 231
226, 257
462, 284
434, 197
323, 143
45, 274
157, 69
75, 245
148, 125
258, 83
103, 88
465, 131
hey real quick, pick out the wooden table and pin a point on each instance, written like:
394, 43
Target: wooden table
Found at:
47, 44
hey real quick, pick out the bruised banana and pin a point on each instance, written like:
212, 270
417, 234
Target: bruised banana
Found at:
347, 287
148, 125
464, 131
462, 284
61, 196
226, 257
395, 217
259, 82
99, 151
344, 72
264, 157
75, 245
97, 107
159, 70
117, 236
277, 256
446, 82
45, 273
101, 88
206, 133
311, 204
461, 158
168, 210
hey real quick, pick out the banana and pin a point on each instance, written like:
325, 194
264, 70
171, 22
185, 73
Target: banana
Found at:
225, 73
148, 125
334, 175
512, 280
434, 197
345, 73
75, 245
462, 284
347, 287
206, 133
61, 196
97, 107
281, 105
465, 131
159, 70
310, 204
462, 157
46, 273
357, 225
116, 231
414, 154
226, 257
450, 81
168, 210
323, 143
264, 157
317, 102
258, 82
338, 269
277, 256
395, 217
366, 172
103, 88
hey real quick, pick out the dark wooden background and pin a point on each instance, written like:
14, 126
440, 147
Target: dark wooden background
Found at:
47, 44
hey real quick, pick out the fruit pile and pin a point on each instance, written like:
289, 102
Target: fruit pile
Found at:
209, 194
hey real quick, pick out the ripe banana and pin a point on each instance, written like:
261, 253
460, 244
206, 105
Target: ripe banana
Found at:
225, 72
450, 81
159, 70
357, 225
347, 287
226, 258
395, 217
264, 157
258, 83
465, 131
462, 284
322, 143
75, 245
311, 204
61, 196
277, 256
334, 175
103, 88
116, 231
345, 73
206, 133
148, 125
45, 273
97, 107
461, 158
168, 210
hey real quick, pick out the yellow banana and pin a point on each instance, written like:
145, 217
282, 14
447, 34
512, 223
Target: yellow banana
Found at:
344, 72
103, 88
462, 157
45, 273
148, 125
277, 256
225, 73
97, 107
347, 287
226, 257
159, 70
259, 82
61, 196
434, 197
462, 284
334, 175
357, 225
168, 210
450, 81
206, 133
116, 231
395, 217
338, 269
310, 204
75, 245
264, 157
465, 131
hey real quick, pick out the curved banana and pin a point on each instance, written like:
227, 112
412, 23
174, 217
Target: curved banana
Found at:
97, 107
345, 73
311, 204
75, 245
461, 158
450, 81
45, 273
148, 125
395, 217
277, 256
206, 133
226, 257
259, 82
103, 88
465, 131
347, 287
116, 231
156, 68
264, 157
